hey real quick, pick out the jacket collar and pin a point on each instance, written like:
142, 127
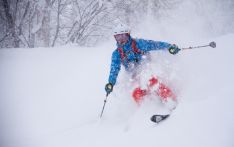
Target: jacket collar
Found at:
126, 45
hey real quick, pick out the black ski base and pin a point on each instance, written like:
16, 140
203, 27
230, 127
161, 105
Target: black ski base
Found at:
159, 118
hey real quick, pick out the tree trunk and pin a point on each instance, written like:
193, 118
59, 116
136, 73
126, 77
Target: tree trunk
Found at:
46, 28
11, 23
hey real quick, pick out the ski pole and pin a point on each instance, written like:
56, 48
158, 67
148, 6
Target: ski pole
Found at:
104, 104
211, 44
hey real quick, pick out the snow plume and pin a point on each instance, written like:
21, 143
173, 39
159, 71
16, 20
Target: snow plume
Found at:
190, 20
188, 23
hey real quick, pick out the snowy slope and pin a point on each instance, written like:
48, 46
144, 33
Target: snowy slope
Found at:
52, 97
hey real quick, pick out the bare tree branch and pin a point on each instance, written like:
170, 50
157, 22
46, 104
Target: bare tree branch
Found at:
4, 37
28, 45
8, 15
25, 13
58, 22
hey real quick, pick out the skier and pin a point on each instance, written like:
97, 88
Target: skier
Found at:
130, 53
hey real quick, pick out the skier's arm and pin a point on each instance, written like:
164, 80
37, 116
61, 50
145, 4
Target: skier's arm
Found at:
149, 45
115, 67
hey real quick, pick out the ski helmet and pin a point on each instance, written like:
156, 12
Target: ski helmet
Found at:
121, 29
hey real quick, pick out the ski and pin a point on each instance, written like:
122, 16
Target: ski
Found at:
158, 118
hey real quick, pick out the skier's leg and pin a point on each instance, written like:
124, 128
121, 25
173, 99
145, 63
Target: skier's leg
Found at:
138, 93
164, 92
167, 96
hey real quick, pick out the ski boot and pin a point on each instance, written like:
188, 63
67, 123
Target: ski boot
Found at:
138, 95
158, 118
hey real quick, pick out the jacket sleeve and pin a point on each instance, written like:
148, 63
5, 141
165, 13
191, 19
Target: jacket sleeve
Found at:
149, 45
115, 67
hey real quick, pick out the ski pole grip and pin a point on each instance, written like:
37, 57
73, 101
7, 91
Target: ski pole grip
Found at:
213, 44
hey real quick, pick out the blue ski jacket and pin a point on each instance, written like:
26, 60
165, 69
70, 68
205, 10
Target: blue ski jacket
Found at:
130, 56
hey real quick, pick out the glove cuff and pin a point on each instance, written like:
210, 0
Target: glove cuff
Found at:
109, 87
173, 49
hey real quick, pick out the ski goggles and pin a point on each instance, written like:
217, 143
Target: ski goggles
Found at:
121, 37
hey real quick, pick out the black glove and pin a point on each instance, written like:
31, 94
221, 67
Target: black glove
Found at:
109, 88
174, 49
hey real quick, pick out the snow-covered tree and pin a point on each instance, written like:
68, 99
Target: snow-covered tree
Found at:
33, 23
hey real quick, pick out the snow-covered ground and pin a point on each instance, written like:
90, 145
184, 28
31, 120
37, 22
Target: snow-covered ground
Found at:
52, 97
